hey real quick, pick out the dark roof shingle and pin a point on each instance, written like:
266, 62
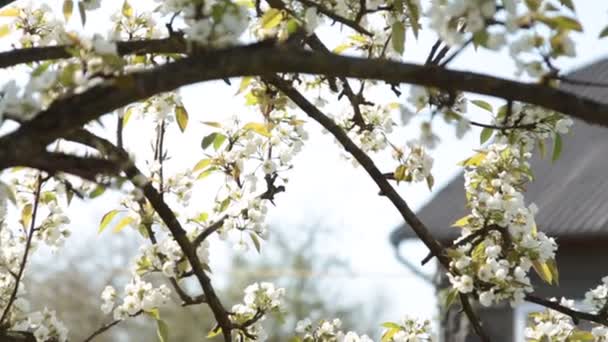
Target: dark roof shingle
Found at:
572, 193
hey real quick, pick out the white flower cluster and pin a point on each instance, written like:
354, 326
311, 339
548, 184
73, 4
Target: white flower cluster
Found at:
551, 325
210, 23
597, 298
370, 132
166, 256
39, 26
44, 325
139, 296
500, 240
52, 231
415, 166
260, 299
408, 330
453, 18
327, 331
251, 218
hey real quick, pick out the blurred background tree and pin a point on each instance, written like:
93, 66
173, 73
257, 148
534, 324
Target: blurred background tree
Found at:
296, 259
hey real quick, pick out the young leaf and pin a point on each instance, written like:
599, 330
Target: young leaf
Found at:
203, 163
256, 241
218, 141
271, 18
398, 37
557, 147
126, 116
483, 105
485, 135
569, 4
604, 32
26, 215
68, 8
106, 219
181, 115
543, 271
461, 222
8, 192
4, 30
9, 12
127, 10
162, 330
341, 48
245, 82
208, 140
259, 128
83, 13
122, 224
413, 12
212, 124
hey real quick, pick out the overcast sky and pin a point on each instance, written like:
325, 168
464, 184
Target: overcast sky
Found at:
324, 188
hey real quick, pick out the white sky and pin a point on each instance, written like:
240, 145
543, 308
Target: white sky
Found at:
324, 188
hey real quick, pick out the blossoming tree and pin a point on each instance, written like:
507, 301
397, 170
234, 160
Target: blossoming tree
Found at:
131, 75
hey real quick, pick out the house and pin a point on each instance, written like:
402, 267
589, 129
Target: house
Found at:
572, 194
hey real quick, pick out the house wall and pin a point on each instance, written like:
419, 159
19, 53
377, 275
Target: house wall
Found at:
581, 265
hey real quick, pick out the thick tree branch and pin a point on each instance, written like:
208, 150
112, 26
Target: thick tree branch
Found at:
174, 44
170, 220
262, 60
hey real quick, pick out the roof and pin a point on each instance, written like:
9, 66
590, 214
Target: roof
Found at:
571, 193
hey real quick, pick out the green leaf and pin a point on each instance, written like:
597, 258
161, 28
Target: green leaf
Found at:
127, 10
271, 18
483, 105
390, 325
485, 135
9, 12
259, 128
218, 141
557, 147
162, 330
554, 271
450, 298
245, 82
83, 13
26, 215
542, 148
398, 37
569, 4
181, 115
430, 181
68, 9
533, 5
208, 140
543, 271
581, 336
462, 222
203, 163
106, 219
98, 191
214, 332
41, 69
154, 313
342, 47
565, 23
256, 241
399, 173
8, 192
212, 124
474, 160
122, 224
4, 30
127, 115
414, 14
604, 32
206, 173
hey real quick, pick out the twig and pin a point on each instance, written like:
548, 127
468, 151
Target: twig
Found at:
26, 252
